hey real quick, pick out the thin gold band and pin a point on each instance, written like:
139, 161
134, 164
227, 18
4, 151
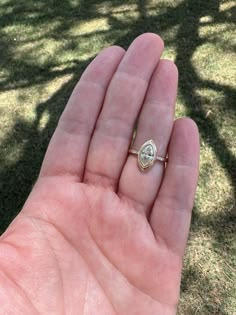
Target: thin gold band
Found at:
147, 155
158, 158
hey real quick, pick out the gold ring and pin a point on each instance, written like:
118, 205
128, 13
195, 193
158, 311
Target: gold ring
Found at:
147, 155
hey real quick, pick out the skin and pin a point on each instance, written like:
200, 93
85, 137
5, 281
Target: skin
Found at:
97, 235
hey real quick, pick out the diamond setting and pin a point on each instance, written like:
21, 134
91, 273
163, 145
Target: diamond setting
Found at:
147, 155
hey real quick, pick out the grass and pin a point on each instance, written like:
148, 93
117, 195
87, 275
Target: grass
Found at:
44, 48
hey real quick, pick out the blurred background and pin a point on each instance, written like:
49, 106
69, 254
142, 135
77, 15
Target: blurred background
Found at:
44, 48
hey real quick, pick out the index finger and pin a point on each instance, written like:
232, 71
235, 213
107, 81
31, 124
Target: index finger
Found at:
67, 151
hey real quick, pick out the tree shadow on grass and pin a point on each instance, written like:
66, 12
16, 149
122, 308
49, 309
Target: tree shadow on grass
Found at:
17, 179
206, 300
188, 41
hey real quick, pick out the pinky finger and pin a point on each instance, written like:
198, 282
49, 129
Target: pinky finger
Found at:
171, 214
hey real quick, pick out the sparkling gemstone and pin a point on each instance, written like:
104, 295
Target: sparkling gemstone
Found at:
147, 155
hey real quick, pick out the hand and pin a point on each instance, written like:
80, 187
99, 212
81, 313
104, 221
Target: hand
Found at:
97, 235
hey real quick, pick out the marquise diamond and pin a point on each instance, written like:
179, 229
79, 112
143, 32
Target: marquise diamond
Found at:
147, 155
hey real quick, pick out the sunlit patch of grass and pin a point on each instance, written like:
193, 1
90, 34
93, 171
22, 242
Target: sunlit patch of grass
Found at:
217, 62
226, 5
209, 282
217, 53
213, 192
125, 8
91, 26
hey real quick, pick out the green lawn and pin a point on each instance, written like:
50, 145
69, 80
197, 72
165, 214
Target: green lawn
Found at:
45, 46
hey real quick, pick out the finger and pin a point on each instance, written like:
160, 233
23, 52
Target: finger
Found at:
124, 98
171, 214
155, 122
68, 148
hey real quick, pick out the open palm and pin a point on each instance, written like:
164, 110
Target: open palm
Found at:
97, 235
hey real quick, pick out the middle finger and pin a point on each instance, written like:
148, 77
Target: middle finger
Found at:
114, 128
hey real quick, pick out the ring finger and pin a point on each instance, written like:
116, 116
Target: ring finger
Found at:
155, 122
